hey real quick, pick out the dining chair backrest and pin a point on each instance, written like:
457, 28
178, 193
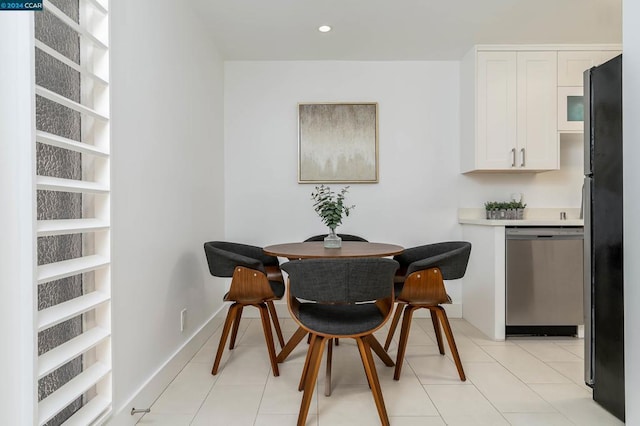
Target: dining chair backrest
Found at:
450, 257
224, 256
341, 280
344, 237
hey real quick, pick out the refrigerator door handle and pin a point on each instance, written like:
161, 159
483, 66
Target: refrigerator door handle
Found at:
588, 287
588, 145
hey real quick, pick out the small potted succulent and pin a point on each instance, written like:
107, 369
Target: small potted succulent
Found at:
331, 207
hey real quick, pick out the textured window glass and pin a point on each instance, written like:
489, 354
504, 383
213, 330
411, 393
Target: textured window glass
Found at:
55, 34
57, 162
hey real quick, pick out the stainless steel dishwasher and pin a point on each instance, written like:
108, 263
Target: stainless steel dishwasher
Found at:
544, 280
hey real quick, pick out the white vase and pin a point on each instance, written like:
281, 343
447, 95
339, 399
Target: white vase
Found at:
332, 240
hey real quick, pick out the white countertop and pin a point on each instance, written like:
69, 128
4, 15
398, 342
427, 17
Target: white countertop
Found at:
532, 217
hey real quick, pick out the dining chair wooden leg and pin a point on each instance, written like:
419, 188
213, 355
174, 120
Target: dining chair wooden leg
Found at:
291, 344
404, 337
307, 361
372, 377
452, 343
327, 382
236, 325
394, 324
379, 350
276, 323
312, 375
230, 319
364, 364
436, 328
266, 326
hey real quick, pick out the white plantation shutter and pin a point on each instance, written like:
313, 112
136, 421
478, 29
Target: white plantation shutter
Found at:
93, 384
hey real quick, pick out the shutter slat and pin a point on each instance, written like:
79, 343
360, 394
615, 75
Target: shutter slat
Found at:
90, 412
67, 310
70, 144
72, 24
69, 185
65, 395
67, 268
53, 96
68, 62
64, 353
69, 226
97, 5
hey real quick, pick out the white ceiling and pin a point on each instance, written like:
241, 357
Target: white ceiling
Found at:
400, 29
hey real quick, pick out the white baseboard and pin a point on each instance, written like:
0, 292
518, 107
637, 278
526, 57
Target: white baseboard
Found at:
156, 384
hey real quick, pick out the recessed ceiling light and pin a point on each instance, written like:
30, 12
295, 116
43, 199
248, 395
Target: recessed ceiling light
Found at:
324, 28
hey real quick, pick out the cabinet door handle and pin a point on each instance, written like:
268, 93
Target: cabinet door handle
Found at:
513, 157
522, 163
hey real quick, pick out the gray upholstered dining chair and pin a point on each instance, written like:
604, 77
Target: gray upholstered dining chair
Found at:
419, 283
346, 298
256, 281
345, 237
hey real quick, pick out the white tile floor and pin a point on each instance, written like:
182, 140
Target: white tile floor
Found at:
525, 381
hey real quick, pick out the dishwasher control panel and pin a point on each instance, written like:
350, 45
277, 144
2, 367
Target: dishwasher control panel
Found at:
539, 232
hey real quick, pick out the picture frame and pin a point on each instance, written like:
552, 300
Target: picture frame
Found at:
338, 142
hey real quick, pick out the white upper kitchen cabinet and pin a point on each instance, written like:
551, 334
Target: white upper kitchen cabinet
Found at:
572, 64
496, 108
509, 110
571, 67
537, 120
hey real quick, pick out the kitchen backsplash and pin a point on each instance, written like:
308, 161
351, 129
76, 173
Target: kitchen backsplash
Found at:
560, 188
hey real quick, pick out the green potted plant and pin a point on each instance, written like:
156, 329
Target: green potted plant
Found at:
519, 206
490, 207
504, 210
331, 207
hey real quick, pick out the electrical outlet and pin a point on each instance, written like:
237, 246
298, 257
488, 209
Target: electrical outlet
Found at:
183, 319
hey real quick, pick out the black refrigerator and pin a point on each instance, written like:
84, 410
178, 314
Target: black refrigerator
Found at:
603, 231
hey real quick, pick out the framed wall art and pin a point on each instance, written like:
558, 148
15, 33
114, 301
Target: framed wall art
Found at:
338, 142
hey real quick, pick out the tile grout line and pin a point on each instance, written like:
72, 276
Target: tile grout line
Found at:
463, 333
554, 406
264, 388
480, 391
502, 414
217, 376
527, 386
212, 385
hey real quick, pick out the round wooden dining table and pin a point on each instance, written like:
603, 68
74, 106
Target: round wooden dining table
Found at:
316, 250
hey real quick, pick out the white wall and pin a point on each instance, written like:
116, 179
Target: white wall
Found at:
420, 186
18, 395
167, 180
415, 200
631, 107
418, 110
